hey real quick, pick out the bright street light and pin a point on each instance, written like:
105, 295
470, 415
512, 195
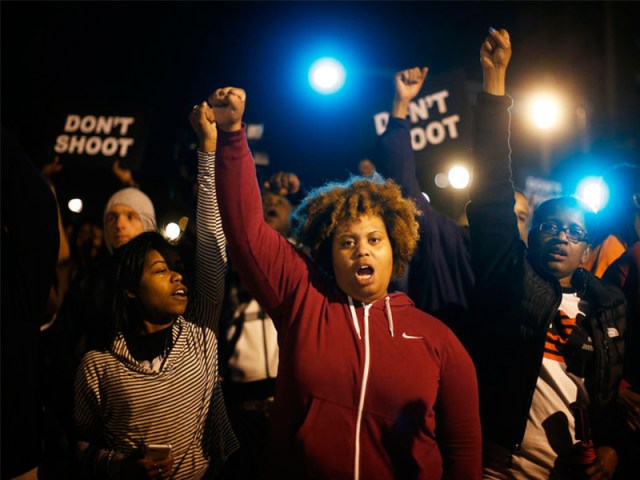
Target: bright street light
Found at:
172, 231
459, 177
75, 205
327, 76
545, 111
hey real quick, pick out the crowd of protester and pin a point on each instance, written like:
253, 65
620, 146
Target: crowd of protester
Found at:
348, 331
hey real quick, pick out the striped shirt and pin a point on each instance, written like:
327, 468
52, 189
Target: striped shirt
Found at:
550, 415
122, 404
557, 336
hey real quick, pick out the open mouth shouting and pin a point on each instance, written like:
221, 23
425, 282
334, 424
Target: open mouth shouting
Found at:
364, 274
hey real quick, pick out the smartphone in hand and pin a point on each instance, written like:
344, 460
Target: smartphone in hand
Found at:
157, 451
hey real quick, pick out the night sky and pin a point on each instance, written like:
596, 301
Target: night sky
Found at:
163, 57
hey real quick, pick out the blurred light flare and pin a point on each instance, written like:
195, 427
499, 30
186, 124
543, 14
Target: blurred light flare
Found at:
459, 177
441, 180
545, 111
172, 231
327, 75
594, 192
75, 205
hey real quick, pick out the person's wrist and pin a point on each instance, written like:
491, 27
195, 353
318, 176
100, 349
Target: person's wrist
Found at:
400, 108
494, 82
207, 146
231, 127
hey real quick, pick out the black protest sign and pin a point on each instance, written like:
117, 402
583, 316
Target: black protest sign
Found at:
96, 137
440, 122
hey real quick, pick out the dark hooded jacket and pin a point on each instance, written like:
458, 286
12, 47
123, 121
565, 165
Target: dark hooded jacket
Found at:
516, 300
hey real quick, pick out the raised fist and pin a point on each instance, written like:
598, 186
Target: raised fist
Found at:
203, 123
409, 82
495, 51
228, 106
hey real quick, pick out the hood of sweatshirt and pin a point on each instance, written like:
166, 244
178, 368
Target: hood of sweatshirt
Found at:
121, 351
384, 304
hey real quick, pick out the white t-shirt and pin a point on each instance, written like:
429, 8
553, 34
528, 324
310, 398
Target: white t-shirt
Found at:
550, 427
255, 356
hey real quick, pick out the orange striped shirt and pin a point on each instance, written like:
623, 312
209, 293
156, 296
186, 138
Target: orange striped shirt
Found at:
557, 335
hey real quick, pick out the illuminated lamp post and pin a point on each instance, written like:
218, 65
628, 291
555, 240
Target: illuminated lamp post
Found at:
545, 112
552, 115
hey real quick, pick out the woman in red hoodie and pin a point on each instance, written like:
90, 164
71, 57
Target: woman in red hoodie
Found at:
368, 386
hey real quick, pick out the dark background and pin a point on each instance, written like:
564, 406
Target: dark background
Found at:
163, 57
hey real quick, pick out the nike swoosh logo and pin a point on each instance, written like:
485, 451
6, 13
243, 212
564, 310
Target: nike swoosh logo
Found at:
411, 337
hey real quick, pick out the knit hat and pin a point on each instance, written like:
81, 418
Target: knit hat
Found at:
136, 200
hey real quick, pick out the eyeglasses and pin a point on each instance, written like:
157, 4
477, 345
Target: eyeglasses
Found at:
574, 234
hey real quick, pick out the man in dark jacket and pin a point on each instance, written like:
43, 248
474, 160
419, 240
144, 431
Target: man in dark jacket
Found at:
30, 241
549, 335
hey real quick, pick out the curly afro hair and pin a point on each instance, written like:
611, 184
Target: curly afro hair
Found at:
316, 219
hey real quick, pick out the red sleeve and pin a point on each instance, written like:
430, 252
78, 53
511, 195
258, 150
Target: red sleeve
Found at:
269, 266
458, 416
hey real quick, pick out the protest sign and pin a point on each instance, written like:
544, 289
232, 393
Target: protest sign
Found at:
96, 137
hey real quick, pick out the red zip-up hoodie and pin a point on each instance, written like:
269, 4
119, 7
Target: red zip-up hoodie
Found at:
361, 389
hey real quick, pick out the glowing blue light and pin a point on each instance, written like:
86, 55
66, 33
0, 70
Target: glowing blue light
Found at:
594, 192
327, 76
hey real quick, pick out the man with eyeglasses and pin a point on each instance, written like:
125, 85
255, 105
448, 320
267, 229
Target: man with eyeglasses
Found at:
558, 239
546, 334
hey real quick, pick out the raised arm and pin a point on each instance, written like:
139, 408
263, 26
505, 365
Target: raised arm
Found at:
495, 241
440, 277
408, 84
495, 54
267, 263
492, 154
211, 257
395, 156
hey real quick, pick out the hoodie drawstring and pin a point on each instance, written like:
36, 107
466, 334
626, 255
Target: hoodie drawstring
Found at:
365, 373
387, 309
363, 390
354, 317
